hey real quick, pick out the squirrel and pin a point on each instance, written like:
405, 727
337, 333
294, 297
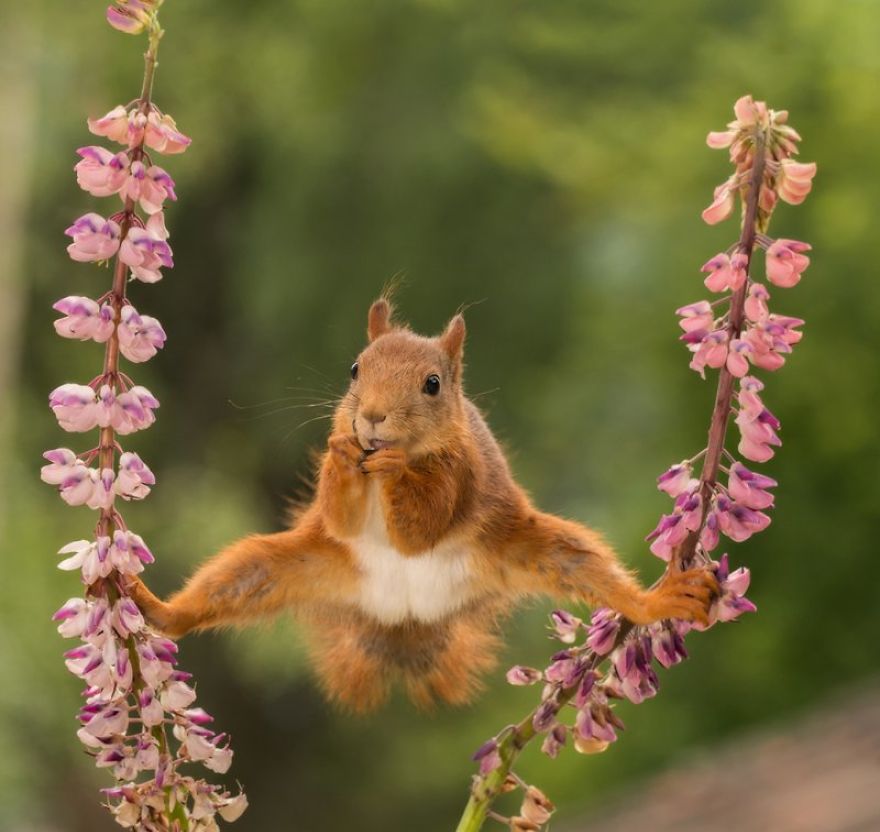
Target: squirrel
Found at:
416, 543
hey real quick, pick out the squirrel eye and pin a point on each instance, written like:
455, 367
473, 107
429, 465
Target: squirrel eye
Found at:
432, 384
354, 370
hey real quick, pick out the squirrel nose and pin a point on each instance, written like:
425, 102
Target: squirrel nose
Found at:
374, 418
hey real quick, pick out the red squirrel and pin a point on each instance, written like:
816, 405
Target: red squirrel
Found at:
417, 541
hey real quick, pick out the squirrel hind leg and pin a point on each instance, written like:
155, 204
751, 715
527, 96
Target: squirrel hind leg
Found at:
348, 676
455, 676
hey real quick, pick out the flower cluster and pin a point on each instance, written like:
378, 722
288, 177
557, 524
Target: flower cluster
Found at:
134, 691
714, 494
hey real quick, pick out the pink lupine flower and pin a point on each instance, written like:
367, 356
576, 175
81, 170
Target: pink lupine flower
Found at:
86, 556
176, 695
566, 625
145, 250
795, 181
520, 675
669, 534
134, 479
62, 461
710, 533
722, 206
718, 140
148, 186
74, 407
127, 618
757, 425
739, 353
739, 522
725, 273
748, 488
766, 347
748, 112
125, 413
137, 407
140, 336
785, 262
73, 617
129, 16
674, 528
732, 602
128, 552
696, 316
84, 319
756, 302
100, 171
152, 712
94, 239
709, 349
163, 136
603, 630
80, 485
677, 479
114, 125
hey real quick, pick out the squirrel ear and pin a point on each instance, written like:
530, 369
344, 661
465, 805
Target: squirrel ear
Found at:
379, 319
452, 339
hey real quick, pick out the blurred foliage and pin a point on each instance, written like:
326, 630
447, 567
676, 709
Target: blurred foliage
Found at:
544, 162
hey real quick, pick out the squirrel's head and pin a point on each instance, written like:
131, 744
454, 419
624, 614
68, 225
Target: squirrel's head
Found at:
405, 388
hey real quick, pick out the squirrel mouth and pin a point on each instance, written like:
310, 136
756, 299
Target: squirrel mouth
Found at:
379, 445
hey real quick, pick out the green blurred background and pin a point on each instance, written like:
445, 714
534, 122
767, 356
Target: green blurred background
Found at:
544, 161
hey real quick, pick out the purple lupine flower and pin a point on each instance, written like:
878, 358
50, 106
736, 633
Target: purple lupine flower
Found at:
487, 756
676, 479
748, 488
667, 643
604, 626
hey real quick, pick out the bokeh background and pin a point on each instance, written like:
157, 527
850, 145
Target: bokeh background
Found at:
544, 162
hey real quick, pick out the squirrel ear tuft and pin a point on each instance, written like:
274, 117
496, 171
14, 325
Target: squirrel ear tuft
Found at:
452, 339
379, 319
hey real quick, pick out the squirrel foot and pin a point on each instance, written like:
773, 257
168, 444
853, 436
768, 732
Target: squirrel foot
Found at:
683, 595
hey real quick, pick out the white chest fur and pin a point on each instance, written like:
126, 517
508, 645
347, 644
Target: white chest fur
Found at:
394, 587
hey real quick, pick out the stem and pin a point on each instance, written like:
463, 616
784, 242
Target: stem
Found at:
724, 394
107, 444
486, 789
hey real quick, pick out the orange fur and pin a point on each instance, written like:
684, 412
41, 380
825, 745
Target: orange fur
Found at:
459, 541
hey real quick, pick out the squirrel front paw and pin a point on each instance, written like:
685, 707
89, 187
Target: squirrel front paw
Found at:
387, 461
346, 453
154, 610
683, 595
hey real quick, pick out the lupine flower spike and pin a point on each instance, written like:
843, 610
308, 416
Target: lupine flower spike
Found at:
736, 334
134, 692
